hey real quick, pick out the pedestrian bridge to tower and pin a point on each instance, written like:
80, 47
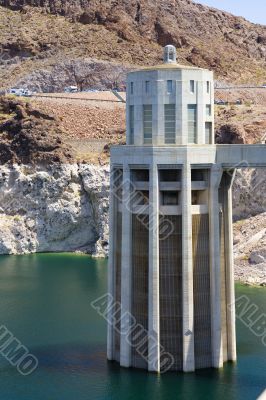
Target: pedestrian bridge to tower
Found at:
171, 240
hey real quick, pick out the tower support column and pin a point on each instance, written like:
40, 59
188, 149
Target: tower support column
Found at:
215, 266
187, 272
154, 300
111, 266
229, 265
126, 270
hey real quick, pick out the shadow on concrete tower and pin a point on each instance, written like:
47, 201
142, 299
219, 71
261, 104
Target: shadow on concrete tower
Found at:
171, 279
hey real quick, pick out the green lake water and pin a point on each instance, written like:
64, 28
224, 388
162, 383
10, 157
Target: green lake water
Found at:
45, 302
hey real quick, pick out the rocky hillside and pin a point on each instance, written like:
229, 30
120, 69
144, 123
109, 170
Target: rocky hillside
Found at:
29, 136
40, 35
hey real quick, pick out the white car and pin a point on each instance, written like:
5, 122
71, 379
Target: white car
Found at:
26, 93
20, 92
71, 89
15, 91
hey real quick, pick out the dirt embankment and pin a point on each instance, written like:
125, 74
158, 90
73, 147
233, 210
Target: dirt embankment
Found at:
29, 136
241, 124
87, 115
91, 122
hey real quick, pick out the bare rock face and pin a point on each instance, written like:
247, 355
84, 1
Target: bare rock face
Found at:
250, 250
54, 209
258, 256
249, 193
95, 181
84, 73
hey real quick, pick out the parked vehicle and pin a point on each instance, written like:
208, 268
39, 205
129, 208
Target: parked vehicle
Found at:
15, 91
20, 92
27, 93
90, 90
264, 85
71, 89
221, 102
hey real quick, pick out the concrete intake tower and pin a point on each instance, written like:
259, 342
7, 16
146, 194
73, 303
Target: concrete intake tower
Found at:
171, 278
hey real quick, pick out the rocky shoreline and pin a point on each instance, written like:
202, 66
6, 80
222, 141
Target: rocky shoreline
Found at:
64, 208
60, 208
250, 250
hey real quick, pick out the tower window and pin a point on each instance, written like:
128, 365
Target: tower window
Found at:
140, 198
131, 124
171, 55
192, 86
208, 110
169, 86
131, 88
208, 86
140, 175
170, 175
208, 132
169, 198
192, 123
169, 123
195, 197
147, 124
197, 175
147, 87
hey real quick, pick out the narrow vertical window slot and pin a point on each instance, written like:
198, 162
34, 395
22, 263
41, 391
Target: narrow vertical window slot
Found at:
147, 124
192, 123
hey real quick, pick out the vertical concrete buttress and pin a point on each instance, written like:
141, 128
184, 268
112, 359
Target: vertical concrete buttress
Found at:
187, 272
154, 304
229, 262
126, 270
215, 266
111, 267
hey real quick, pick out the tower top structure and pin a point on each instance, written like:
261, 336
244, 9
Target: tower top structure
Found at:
170, 54
170, 104
170, 61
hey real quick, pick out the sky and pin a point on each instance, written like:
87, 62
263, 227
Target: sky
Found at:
252, 10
